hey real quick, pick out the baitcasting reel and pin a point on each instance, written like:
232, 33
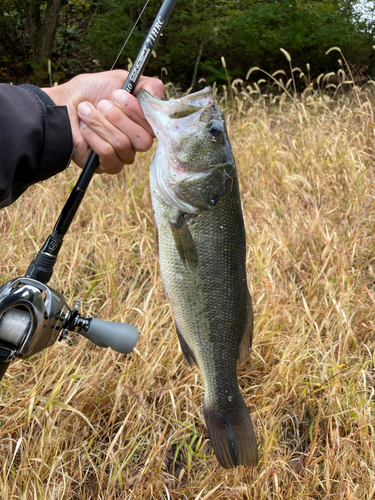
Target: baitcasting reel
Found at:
33, 316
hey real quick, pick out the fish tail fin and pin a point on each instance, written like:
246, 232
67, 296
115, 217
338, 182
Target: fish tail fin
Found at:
232, 436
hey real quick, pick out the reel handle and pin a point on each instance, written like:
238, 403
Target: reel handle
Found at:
120, 337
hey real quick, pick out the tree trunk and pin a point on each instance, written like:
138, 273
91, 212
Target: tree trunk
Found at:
197, 61
42, 31
201, 47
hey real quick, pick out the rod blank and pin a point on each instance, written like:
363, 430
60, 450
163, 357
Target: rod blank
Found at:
41, 268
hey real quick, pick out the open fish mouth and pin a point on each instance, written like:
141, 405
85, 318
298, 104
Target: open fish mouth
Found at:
159, 113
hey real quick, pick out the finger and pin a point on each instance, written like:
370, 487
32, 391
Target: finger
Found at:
132, 108
152, 85
141, 139
100, 170
109, 160
108, 133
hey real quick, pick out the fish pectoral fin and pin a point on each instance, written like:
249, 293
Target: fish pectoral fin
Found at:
205, 193
184, 242
244, 345
186, 349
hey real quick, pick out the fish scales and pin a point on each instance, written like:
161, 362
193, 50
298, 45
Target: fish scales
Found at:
202, 255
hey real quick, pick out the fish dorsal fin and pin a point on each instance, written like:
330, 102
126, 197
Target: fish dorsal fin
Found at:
184, 242
244, 345
186, 349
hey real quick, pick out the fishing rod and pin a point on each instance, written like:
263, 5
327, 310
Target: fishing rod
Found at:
33, 316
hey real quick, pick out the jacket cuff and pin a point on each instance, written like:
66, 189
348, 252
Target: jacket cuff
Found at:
36, 139
58, 146
44, 98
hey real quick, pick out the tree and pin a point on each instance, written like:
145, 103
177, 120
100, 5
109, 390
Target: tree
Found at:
41, 20
89, 34
306, 29
29, 23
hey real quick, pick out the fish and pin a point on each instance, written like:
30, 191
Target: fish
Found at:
201, 245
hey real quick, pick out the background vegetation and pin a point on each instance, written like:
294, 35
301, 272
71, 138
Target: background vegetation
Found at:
78, 422
86, 35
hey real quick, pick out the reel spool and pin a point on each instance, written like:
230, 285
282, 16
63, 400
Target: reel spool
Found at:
14, 325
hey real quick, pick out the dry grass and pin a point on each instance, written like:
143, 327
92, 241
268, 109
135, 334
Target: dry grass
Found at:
80, 422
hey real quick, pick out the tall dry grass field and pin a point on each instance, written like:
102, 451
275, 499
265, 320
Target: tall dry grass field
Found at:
81, 422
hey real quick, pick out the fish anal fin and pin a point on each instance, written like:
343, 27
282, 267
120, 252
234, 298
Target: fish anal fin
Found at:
232, 436
244, 345
187, 351
184, 242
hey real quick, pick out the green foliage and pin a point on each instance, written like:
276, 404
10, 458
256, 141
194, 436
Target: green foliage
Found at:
196, 25
199, 33
14, 43
108, 29
246, 33
305, 29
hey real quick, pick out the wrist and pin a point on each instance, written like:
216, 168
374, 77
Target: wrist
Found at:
57, 94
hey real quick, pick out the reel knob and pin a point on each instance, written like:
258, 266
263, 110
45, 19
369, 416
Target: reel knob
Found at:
120, 337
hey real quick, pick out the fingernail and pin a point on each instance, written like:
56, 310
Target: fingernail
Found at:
104, 106
82, 124
120, 96
84, 109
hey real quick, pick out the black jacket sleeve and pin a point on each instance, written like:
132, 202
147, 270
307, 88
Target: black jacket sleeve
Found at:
35, 139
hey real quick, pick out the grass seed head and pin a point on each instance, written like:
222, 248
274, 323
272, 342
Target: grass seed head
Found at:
81, 422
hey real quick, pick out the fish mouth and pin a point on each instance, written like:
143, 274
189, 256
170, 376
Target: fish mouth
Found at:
185, 106
166, 118
159, 113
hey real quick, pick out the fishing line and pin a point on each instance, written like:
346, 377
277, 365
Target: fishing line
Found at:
130, 34
118, 56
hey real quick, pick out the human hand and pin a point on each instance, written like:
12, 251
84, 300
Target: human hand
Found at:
106, 119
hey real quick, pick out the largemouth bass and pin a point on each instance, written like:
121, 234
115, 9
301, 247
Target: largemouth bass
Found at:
200, 238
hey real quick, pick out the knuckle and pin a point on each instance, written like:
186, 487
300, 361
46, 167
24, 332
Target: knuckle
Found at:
106, 151
95, 119
112, 167
127, 155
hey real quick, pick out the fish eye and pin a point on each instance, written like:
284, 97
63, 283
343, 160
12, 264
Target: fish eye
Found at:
215, 128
